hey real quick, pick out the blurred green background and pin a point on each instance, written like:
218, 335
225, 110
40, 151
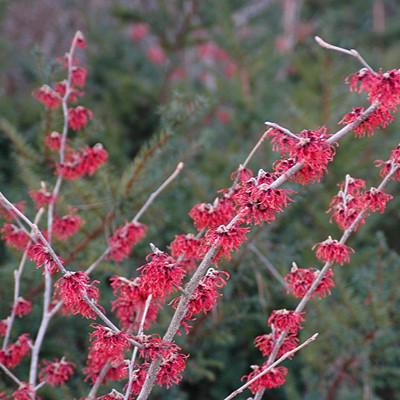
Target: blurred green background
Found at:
197, 87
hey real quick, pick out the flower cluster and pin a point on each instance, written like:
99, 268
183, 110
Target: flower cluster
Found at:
22, 307
66, 226
13, 354
41, 255
299, 281
272, 379
73, 288
56, 372
106, 346
205, 296
124, 238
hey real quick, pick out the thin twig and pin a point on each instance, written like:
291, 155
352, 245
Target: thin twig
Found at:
284, 130
135, 350
154, 195
10, 374
351, 52
273, 271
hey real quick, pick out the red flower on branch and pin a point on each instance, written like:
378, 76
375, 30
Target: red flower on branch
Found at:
272, 379
124, 238
72, 287
299, 281
56, 372
285, 321
377, 200
48, 97
14, 353
22, 307
78, 117
331, 250
40, 254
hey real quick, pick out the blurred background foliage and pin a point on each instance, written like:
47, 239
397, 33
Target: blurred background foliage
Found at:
197, 87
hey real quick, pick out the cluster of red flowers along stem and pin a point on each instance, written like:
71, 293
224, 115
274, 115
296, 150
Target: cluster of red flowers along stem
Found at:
221, 226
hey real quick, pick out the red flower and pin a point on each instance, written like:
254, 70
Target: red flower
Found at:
156, 55
78, 76
381, 87
139, 31
265, 343
171, 368
330, 250
161, 275
3, 326
130, 302
53, 140
72, 287
380, 118
205, 296
78, 117
61, 89
73, 167
23, 307
80, 40
25, 392
310, 148
41, 197
14, 236
56, 372
212, 215
106, 346
258, 202
139, 376
48, 97
42, 257
93, 158
376, 200
285, 321
274, 378
13, 354
67, 226
124, 238
346, 206
113, 395
187, 247
154, 347
394, 161
299, 281
229, 239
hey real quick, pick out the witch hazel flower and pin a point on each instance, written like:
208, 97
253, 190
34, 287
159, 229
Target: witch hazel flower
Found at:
130, 302
206, 215
66, 226
266, 343
41, 197
205, 296
377, 200
161, 275
187, 249
258, 202
380, 118
272, 379
40, 254
78, 117
171, 369
299, 281
48, 97
3, 326
309, 147
53, 141
72, 288
14, 236
228, 238
285, 321
124, 238
139, 31
25, 392
154, 347
331, 250
15, 352
22, 307
113, 395
393, 162
106, 346
56, 372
